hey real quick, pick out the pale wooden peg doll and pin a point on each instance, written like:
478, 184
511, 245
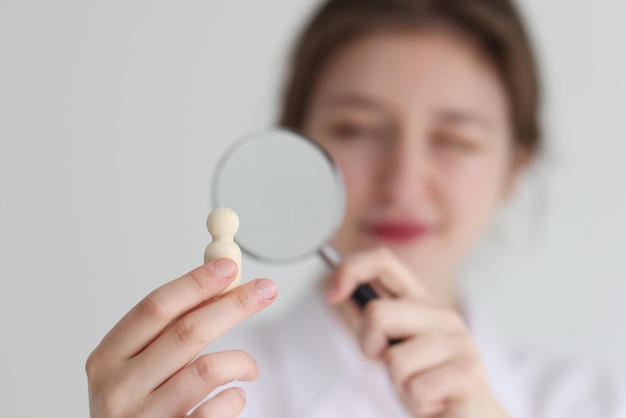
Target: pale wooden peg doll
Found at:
223, 224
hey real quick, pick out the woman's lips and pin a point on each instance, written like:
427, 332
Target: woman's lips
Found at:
396, 231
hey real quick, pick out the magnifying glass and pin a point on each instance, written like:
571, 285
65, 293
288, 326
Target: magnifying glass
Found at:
289, 196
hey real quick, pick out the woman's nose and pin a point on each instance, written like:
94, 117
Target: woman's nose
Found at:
404, 173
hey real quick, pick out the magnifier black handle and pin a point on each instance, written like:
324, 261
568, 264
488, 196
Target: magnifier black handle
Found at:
362, 296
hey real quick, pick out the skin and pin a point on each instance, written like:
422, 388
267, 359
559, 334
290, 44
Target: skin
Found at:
169, 327
418, 123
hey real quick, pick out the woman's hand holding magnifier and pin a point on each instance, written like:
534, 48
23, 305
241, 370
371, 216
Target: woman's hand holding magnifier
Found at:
143, 367
435, 366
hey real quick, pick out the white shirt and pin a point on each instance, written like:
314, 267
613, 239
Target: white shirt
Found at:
311, 367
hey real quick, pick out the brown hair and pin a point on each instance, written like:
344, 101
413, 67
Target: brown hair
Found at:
495, 25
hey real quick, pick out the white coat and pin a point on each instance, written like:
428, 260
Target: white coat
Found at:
311, 367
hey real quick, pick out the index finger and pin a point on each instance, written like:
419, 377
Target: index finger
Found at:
144, 322
379, 265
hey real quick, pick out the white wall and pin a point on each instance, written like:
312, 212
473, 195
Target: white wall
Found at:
113, 113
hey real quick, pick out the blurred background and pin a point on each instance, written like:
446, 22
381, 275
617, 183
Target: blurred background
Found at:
113, 114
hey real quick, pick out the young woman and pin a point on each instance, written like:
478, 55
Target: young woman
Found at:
430, 109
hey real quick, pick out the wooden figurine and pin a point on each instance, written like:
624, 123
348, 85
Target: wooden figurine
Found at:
223, 224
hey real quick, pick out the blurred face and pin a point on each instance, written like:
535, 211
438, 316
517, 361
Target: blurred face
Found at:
418, 123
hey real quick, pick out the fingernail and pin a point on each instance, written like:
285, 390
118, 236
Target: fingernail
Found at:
225, 267
266, 288
241, 392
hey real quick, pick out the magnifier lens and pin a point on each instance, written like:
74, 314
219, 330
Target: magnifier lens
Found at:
287, 192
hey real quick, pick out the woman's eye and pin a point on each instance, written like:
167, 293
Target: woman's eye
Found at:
454, 143
352, 131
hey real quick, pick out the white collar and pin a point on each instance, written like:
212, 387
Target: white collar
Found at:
320, 360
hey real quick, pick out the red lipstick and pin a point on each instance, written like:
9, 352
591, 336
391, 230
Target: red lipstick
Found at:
397, 231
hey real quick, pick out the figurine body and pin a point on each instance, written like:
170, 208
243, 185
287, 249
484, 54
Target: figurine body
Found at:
223, 224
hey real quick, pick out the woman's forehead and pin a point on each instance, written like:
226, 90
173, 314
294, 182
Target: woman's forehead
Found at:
410, 70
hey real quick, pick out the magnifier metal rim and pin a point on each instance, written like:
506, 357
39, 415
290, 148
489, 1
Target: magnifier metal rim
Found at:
338, 177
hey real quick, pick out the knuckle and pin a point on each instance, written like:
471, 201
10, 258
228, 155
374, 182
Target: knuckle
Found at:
188, 332
240, 303
236, 401
422, 403
374, 311
394, 361
240, 399
345, 268
199, 280
418, 407
454, 320
472, 375
468, 349
467, 378
206, 370
418, 399
92, 365
249, 363
413, 387
226, 404
153, 307
421, 388
97, 368
113, 401
425, 409
460, 343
